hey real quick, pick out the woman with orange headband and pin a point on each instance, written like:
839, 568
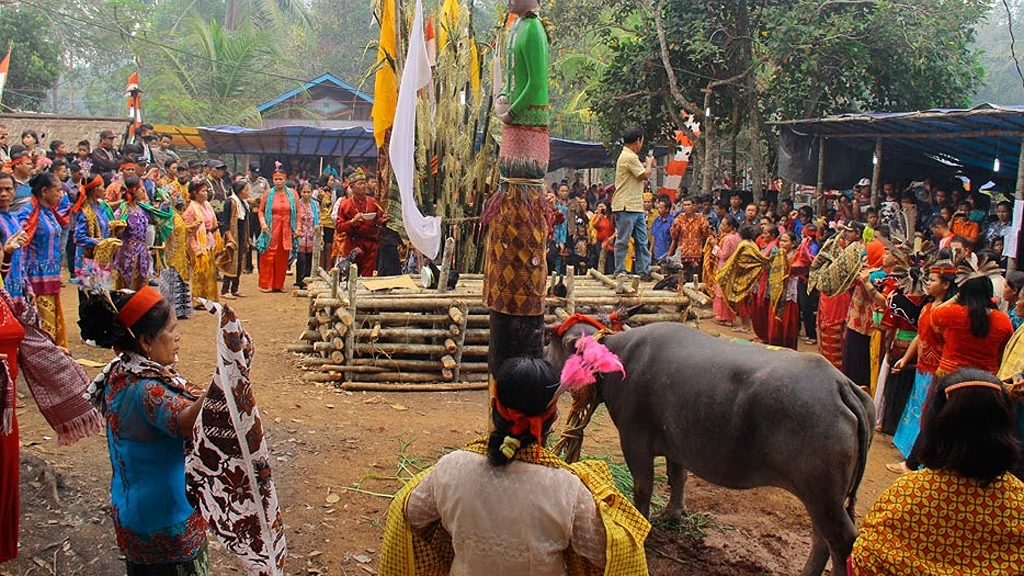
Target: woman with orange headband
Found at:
509, 505
150, 411
91, 228
962, 513
43, 251
278, 216
132, 261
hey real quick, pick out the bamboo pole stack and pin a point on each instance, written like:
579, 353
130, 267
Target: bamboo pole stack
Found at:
403, 340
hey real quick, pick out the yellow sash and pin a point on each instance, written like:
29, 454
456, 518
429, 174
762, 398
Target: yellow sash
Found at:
428, 552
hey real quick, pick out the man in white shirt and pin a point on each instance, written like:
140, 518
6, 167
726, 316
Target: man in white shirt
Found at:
628, 204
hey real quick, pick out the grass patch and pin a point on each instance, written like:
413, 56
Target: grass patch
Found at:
693, 525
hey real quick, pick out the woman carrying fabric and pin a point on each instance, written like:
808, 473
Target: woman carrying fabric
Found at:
150, 412
724, 246
309, 219
201, 225
236, 240
43, 227
278, 215
962, 513
558, 524
926, 350
759, 302
132, 261
783, 309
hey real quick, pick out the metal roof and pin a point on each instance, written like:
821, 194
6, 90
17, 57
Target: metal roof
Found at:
969, 138
329, 78
356, 142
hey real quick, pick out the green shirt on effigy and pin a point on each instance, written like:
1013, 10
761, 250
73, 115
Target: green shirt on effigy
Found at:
526, 73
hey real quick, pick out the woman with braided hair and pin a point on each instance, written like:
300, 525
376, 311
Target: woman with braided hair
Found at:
132, 261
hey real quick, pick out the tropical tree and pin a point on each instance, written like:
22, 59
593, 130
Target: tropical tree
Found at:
751, 62
35, 57
214, 76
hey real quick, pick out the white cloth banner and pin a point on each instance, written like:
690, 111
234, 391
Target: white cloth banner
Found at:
423, 231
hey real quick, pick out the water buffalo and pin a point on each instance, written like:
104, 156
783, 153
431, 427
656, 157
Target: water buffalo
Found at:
739, 417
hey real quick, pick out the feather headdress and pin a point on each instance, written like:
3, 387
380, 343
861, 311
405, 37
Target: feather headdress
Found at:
911, 269
581, 369
972, 267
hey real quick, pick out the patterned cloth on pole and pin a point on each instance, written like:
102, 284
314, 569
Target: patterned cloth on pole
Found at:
515, 268
228, 469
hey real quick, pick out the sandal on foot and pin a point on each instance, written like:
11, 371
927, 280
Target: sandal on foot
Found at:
897, 467
228, 296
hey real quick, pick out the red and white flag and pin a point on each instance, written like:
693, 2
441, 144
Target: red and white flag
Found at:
680, 160
4, 64
134, 95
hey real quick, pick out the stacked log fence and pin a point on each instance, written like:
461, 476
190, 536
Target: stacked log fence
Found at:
435, 340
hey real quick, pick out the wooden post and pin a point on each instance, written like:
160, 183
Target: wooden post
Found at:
1018, 196
350, 336
457, 371
445, 265
820, 188
570, 289
876, 173
318, 240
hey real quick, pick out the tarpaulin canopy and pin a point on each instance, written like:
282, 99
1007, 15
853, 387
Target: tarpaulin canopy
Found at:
967, 140
355, 142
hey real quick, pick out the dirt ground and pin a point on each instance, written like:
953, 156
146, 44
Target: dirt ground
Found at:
338, 455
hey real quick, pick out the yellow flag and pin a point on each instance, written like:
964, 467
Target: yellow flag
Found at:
385, 85
474, 70
449, 20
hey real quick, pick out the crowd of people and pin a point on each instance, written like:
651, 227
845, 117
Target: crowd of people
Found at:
906, 293
122, 218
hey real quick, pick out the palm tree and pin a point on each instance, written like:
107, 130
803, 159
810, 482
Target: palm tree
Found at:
222, 82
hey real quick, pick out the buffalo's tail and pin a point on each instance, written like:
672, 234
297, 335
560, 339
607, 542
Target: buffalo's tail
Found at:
865, 431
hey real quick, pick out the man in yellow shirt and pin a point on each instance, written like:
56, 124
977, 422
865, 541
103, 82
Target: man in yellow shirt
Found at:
628, 203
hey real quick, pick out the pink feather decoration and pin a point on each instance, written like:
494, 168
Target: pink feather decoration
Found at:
591, 358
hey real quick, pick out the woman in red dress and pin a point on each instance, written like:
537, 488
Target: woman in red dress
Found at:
278, 216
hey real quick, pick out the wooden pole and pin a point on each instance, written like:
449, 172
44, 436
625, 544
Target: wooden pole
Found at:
457, 373
350, 336
876, 173
819, 190
445, 266
570, 289
318, 241
374, 387
1019, 196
